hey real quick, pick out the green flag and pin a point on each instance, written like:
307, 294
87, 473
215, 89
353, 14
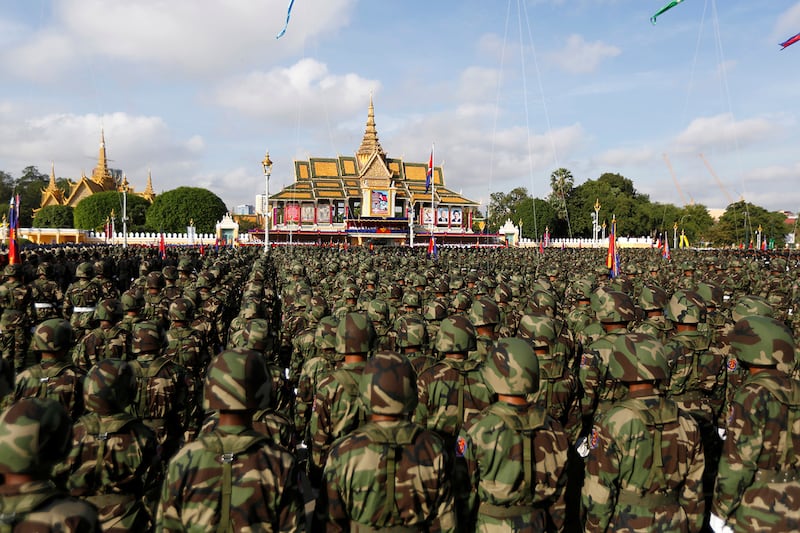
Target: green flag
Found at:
665, 8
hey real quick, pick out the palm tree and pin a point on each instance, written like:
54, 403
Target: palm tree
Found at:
561, 185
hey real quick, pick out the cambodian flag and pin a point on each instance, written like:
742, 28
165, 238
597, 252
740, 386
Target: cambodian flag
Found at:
429, 175
13, 228
612, 258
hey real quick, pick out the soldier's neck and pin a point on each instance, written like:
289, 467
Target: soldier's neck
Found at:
685, 327
513, 400
354, 358
17, 479
373, 417
235, 418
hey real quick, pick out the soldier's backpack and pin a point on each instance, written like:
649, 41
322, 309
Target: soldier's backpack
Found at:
228, 448
11, 518
100, 430
144, 373
526, 426
44, 376
791, 399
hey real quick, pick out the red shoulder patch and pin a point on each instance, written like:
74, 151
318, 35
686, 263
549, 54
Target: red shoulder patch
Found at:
461, 446
594, 439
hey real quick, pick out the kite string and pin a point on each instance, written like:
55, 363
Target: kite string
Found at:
497, 110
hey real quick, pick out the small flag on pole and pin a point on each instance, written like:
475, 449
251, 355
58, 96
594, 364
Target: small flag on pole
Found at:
612, 258
13, 228
162, 247
429, 175
665, 254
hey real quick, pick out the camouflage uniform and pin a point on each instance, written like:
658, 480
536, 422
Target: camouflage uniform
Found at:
652, 300
645, 464
515, 452
485, 317
232, 479
412, 341
80, 300
106, 341
46, 294
156, 306
16, 302
34, 435
113, 463
314, 371
132, 302
388, 473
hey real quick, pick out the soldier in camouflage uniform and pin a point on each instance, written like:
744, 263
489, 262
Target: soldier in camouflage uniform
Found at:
48, 299
645, 465
338, 405
485, 317
80, 300
55, 377
171, 290
303, 347
434, 312
132, 302
34, 436
208, 319
758, 486
113, 462
314, 371
16, 303
156, 306
412, 341
104, 278
515, 452
232, 479
389, 474
652, 301
385, 335
105, 341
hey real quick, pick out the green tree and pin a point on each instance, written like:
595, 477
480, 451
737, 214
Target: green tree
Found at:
29, 188
54, 216
172, 210
536, 215
503, 205
740, 222
561, 185
617, 196
91, 212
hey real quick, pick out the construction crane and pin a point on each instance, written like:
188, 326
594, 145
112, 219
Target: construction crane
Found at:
675, 180
716, 178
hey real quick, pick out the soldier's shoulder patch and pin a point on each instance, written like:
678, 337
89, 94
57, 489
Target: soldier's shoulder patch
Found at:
594, 439
733, 364
586, 359
461, 446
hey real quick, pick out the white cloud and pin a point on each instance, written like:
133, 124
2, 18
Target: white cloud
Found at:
619, 157
722, 132
787, 23
581, 57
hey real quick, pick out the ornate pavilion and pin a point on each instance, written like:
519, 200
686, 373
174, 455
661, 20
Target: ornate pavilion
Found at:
369, 198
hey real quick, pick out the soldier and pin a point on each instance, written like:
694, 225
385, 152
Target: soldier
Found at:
645, 465
303, 347
16, 302
35, 435
314, 371
113, 462
388, 473
156, 306
46, 293
55, 377
104, 278
105, 341
515, 452
132, 302
80, 300
485, 317
412, 341
232, 479
652, 301
378, 313
758, 487
171, 290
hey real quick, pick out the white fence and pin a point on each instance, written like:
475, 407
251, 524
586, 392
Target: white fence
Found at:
622, 242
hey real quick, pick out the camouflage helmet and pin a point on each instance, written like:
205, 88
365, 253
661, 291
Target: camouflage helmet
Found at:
456, 284
378, 311
461, 302
777, 265
35, 434
109, 309
395, 292
131, 300
52, 335
638, 357
711, 293
146, 338
203, 281
542, 302
484, 312
85, 270
502, 293
389, 384
688, 266
434, 311
297, 269
613, 307
11, 319
256, 335
582, 288
652, 297
185, 265
170, 272
456, 335
14, 269
237, 380
512, 367
155, 280
411, 331
350, 292
354, 334
317, 308
686, 307
44, 269
751, 305
181, 309
762, 341
539, 330
412, 299
325, 334
109, 387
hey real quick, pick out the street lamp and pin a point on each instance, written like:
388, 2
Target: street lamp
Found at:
596, 218
267, 164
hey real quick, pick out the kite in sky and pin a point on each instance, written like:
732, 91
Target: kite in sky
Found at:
667, 7
288, 14
790, 41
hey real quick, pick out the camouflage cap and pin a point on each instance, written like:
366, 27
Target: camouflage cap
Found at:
686, 307
763, 341
484, 312
539, 330
411, 331
512, 367
237, 380
14, 269
109, 387
389, 384
638, 357
146, 338
354, 334
53, 335
751, 305
181, 309
109, 309
614, 307
84, 270
325, 334
652, 297
456, 335
378, 311
34, 435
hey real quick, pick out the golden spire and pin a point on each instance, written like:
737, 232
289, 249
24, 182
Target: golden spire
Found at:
101, 175
149, 193
369, 144
52, 189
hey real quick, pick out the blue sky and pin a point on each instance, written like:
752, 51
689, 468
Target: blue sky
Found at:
508, 90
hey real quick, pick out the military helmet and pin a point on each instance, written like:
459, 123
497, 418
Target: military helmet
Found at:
711, 293
512, 367
317, 308
257, 335
53, 335
539, 330
146, 338
155, 280
181, 309
542, 302
751, 305
502, 293
638, 357
395, 292
461, 302
354, 334
777, 265
434, 311
686, 307
44, 269
109, 309
325, 334
484, 312
389, 384
350, 292
411, 331
297, 269
652, 297
35, 434
456, 335
456, 284
237, 380
109, 387
170, 272
763, 341
144, 268
412, 299
14, 269
131, 300
11, 319
84, 270
582, 288
688, 266
441, 286
613, 307
378, 311
185, 265
203, 281
551, 271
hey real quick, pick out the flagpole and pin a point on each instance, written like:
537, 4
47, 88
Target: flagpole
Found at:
433, 188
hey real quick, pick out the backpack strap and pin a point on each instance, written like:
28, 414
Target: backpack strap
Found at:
791, 399
9, 518
101, 430
526, 426
353, 389
144, 373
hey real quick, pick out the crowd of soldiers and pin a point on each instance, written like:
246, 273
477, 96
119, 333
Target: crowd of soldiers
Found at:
320, 389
